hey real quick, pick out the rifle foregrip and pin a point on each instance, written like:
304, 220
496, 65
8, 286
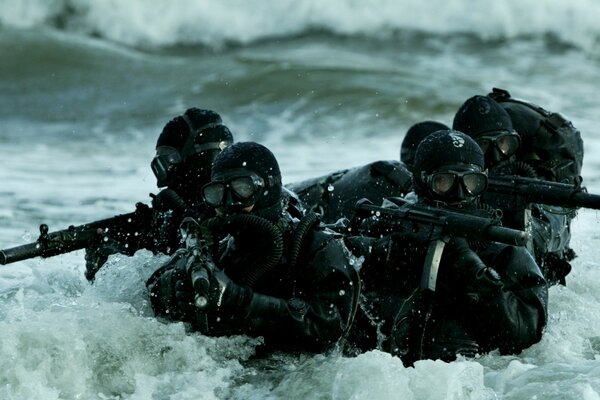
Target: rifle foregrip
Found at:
200, 280
19, 253
507, 235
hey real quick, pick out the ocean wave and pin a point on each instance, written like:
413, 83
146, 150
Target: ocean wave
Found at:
217, 24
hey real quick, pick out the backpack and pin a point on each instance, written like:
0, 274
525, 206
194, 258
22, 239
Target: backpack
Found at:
549, 141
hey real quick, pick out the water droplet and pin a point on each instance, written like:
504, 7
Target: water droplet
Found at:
330, 188
342, 292
377, 214
244, 164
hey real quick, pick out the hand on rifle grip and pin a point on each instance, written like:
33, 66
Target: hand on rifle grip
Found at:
468, 268
97, 255
461, 260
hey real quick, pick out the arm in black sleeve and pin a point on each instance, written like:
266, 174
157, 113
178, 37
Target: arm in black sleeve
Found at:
520, 309
322, 309
508, 295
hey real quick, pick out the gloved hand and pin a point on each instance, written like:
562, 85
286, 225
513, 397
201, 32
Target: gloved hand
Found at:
225, 295
466, 268
184, 295
97, 255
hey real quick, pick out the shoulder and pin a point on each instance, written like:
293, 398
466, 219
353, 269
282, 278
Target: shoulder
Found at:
392, 170
327, 252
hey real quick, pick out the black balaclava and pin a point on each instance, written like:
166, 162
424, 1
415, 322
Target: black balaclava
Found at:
256, 158
482, 116
196, 137
440, 149
414, 136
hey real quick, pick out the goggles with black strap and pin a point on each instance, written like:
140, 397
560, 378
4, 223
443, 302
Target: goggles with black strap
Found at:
452, 182
241, 188
167, 159
164, 164
507, 143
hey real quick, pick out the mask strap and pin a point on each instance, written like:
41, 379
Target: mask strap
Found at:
189, 142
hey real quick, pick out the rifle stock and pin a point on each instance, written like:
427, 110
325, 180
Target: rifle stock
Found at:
449, 223
543, 192
124, 228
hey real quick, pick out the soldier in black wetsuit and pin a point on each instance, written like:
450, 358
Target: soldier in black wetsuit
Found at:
185, 151
488, 295
270, 271
508, 152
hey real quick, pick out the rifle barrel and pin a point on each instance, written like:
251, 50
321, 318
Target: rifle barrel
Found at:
20, 253
453, 223
544, 192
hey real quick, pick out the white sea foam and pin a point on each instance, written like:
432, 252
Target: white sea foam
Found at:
165, 23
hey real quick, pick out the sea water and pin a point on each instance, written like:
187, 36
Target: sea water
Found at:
86, 87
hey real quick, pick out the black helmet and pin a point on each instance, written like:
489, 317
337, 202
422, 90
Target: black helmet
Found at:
186, 148
413, 137
449, 167
245, 174
490, 125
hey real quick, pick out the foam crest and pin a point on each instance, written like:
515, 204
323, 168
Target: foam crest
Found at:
214, 24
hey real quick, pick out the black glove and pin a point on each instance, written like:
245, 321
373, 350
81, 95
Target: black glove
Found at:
466, 268
224, 295
97, 255
171, 292
184, 295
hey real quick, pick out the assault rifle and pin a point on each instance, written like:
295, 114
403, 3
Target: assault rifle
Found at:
122, 228
200, 260
125, 229
531, 190
435, 222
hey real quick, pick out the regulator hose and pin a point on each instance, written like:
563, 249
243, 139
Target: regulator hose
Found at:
519, 168
265, 229
302, 229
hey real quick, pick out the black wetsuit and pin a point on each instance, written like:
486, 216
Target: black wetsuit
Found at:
307, 306
500, 304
